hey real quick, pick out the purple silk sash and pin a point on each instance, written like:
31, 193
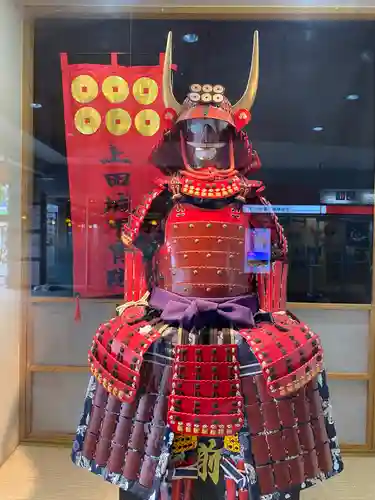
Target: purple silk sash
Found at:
198, 312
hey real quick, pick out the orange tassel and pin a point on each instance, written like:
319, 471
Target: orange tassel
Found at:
77, 315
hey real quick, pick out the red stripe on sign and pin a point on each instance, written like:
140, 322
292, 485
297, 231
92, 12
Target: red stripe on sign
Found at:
350, 209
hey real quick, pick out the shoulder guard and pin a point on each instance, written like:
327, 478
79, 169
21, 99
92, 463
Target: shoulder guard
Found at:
289, 353
249, 188
265, 217
131, 230
117, 351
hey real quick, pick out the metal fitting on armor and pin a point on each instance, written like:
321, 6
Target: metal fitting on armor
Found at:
244, 191
175, 186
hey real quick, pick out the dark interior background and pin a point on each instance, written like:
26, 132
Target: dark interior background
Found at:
308, 70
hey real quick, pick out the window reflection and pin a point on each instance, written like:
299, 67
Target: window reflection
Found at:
52, 252
312, 125
330, 258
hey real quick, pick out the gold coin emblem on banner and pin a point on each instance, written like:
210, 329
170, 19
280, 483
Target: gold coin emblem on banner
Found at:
87, 120
118, 121
84, 89
115, 89
145, 90
147, 122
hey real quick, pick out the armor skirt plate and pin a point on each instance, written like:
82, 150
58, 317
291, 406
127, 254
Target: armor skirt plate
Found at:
284, 445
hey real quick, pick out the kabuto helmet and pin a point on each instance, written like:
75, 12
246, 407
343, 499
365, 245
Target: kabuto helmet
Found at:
205, 131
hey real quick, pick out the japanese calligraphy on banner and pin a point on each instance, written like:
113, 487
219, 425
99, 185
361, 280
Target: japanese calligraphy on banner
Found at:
113, 119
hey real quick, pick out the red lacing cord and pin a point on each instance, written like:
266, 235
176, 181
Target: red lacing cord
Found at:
279, 228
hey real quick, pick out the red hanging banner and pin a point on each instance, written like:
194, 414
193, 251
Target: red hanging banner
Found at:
113, 119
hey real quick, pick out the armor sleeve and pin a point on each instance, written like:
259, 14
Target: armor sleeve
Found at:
271, 286
140, 246
135, 282
131, 229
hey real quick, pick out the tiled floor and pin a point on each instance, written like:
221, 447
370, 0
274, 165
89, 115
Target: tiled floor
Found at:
34, 473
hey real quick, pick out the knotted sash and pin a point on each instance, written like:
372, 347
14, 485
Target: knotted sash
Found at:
192, 312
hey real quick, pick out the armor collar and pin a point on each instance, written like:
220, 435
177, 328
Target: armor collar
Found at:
237, 186
224, 188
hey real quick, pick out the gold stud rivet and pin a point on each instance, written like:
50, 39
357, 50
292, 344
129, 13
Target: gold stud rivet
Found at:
225, 226
219, 240
219, 272
196, 240
191, 225
208, 255
209, 224
195, 271
185, 256
208, 289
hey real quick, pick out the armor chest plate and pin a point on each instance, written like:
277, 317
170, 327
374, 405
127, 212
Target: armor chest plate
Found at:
204, 252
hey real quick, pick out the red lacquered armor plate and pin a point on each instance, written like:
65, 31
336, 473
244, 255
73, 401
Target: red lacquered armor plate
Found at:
205, 397
289, 441
204, 252
290, 354
206, 388
206, 353
116, 355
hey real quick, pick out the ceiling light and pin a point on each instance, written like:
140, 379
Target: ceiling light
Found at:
308, 35
35, 105
352, 97
367, 56
318, 129
190, 38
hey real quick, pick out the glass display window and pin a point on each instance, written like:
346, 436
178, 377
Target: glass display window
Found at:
312, 126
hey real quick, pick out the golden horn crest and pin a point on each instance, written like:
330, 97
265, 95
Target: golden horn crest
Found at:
248, 98
246, 101
169, 99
